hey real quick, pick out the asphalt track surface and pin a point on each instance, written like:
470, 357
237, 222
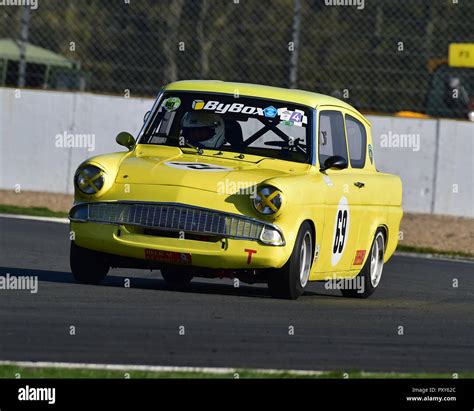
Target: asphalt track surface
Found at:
229, 327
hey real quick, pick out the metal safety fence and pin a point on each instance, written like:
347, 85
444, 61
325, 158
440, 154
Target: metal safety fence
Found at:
379, 55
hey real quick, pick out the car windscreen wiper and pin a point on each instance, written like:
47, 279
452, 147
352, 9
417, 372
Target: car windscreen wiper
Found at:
199, 150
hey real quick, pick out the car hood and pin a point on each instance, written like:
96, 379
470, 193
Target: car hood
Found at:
224, 173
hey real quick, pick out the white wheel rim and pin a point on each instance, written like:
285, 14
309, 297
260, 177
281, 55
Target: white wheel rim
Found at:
305, 259
376, 259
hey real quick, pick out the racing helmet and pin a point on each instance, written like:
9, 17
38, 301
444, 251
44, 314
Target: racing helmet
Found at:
203, 129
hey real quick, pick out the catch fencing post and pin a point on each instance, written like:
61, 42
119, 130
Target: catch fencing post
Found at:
296, 40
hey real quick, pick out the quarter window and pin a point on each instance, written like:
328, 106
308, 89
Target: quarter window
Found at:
357, 141
332, 139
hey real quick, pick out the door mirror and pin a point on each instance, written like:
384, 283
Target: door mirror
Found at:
125, 139
145, 117
337, 162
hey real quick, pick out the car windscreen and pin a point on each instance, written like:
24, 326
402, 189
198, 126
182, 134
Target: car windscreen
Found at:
246, 125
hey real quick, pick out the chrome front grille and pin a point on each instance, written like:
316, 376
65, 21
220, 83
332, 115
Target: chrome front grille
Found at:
175, 217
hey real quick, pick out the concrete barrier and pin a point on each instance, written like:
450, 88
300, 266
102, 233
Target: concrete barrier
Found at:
434, 158
455, 169
407, 147
34, 156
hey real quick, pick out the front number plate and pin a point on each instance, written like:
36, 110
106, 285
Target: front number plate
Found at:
170, 257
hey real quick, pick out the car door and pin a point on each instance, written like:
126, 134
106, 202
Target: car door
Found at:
361, 179
341, 198
368, 182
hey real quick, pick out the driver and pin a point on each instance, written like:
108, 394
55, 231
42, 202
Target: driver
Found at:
204, 130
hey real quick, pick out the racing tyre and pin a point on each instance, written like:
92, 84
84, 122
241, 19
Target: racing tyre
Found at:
174, 275
371, 273
289, 281
87, 266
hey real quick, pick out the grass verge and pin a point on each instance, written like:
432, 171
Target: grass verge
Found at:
12, 371
33, 211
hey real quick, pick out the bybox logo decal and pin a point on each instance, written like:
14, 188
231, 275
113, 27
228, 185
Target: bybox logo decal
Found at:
289, 117
198, 104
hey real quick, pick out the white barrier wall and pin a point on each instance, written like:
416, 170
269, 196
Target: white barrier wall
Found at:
434, 158
455, 177
31, 122
407, 147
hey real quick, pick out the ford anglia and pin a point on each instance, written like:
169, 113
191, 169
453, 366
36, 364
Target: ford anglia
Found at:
244, 181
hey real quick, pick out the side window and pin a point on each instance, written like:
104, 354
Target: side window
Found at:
357, 141
332, 139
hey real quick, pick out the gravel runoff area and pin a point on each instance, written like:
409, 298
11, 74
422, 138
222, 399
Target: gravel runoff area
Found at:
444, 233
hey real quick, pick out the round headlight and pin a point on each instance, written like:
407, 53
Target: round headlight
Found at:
89, 179
267, 200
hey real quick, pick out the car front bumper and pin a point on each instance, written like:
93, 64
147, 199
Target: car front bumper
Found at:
234, 242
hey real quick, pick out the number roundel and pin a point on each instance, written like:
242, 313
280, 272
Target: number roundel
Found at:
341, 231
183, 165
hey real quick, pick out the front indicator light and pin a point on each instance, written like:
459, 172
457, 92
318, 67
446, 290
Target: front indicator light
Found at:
271, 236
79, 213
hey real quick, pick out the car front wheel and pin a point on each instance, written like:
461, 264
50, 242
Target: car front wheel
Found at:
87, 266
290, 281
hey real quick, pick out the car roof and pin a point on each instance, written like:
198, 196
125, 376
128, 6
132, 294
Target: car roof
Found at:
306, 98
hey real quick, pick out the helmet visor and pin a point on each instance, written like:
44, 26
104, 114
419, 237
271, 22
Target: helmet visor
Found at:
198, 134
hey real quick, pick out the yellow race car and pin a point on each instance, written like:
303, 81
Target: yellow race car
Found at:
244, 181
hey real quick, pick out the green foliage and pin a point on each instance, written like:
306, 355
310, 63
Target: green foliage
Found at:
33, 211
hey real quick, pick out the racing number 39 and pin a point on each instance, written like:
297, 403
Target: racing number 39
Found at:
340, 236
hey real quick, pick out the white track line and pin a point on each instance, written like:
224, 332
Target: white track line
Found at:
36, 218
152, 368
